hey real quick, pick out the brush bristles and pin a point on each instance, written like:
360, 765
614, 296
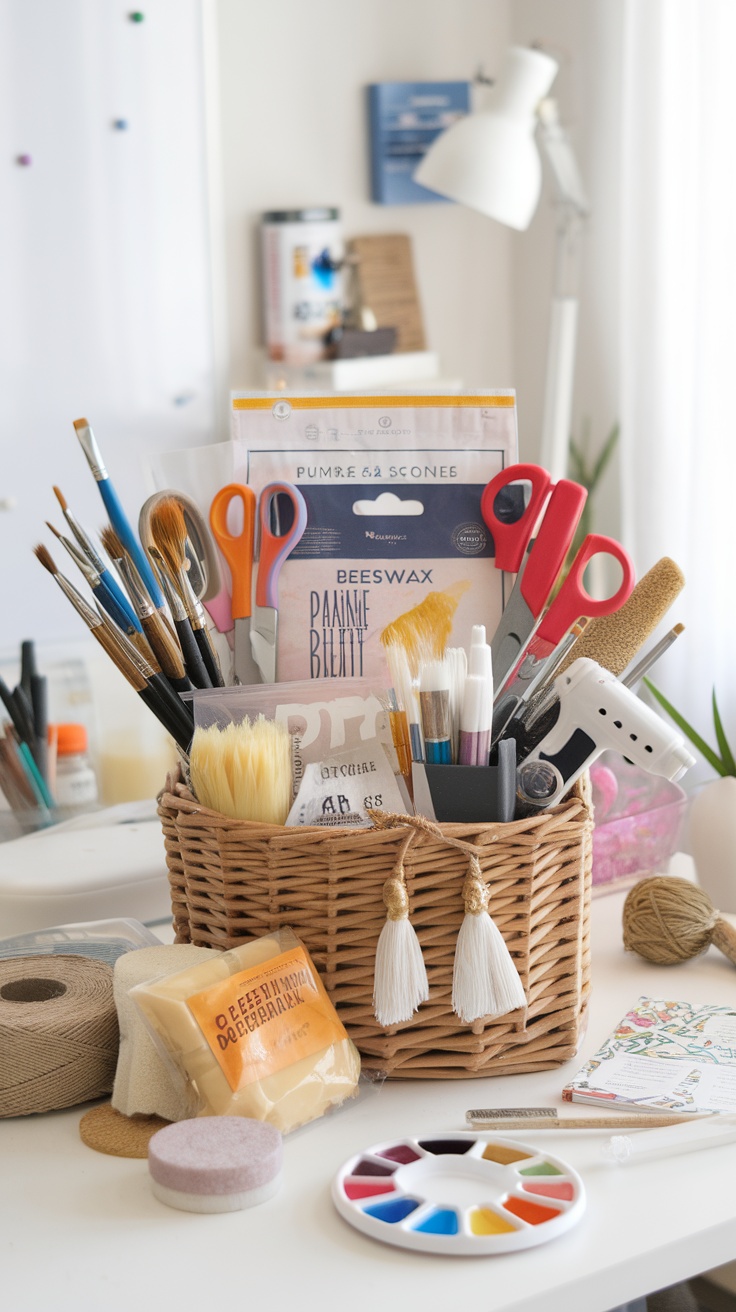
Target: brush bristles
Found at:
424, 631
244, 770
81, 423
43, 554
111, 542
60, 497
169, 532
55, 531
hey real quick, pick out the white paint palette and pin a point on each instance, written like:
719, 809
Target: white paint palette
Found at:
460, 1194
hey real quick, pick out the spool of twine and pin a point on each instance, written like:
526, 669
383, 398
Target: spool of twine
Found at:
58, 1033
668, 920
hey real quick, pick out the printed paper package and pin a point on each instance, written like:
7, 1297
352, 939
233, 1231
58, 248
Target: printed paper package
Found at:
392, 486
252, 1032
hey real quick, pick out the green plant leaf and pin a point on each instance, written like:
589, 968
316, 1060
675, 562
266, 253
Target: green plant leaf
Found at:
604, 457
576, 464
688, 730
725, 750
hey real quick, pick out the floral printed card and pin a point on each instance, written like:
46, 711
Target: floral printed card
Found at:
664, 1056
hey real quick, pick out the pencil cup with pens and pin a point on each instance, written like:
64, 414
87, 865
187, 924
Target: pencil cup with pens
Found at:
414, 826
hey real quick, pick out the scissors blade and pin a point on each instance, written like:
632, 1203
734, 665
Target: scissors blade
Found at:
245, 666
513, 632
264, 637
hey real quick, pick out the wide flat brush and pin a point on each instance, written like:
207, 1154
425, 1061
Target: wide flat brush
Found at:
115, 511
614, 640
90, 552
161, 640
424, 631
103, 634
169, 533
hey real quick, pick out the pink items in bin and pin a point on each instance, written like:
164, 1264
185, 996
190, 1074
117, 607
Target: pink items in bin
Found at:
638, 823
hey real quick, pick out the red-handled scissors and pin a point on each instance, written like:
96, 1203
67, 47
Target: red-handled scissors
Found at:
572, 602
256, 627
537, 571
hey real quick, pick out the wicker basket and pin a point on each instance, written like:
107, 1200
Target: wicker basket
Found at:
231, 881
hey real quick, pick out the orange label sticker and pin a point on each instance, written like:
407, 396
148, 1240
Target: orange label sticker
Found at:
267, 1017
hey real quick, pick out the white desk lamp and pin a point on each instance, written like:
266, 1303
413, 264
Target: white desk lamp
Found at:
489, 161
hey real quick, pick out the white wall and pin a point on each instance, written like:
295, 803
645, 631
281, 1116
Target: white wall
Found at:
104, 269
294, 133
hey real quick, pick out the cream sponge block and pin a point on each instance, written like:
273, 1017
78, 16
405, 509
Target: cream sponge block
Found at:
219, 1164
143, 1082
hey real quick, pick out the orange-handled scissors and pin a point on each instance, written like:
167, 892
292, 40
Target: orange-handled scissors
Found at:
276, 521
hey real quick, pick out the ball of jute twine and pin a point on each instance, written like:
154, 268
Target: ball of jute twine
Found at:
58, 1033
669, 920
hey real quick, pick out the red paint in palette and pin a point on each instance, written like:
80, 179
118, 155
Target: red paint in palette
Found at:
364, 1189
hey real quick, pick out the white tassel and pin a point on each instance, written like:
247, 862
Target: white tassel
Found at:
485, 981
400, 982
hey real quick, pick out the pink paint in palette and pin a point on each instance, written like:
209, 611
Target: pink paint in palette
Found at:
459, 1194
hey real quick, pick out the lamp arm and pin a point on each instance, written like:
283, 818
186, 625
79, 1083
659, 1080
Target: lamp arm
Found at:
572, 211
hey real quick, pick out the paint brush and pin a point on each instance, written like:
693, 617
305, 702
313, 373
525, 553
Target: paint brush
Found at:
169, 533
193, 663
650, 657
160, 638
92, 555
110, 641
548, 1118
115, 511
434, 704
122, 615
180, 715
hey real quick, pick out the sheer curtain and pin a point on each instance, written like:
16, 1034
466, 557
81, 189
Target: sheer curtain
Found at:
678, 348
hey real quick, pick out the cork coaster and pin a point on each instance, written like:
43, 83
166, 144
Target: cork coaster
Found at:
108, 1131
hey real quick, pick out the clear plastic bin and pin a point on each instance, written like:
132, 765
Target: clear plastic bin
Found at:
639, 820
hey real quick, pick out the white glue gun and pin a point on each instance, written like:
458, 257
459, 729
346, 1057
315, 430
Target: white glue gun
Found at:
597, 712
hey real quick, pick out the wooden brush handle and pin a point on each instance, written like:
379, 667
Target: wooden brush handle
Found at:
167, 650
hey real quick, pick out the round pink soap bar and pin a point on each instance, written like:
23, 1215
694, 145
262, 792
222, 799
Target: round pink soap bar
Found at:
215, 1164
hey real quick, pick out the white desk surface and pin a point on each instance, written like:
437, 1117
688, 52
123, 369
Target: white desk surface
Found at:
82, 1232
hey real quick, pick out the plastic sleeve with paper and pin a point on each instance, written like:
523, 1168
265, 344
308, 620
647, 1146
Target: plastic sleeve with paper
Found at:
253, 1033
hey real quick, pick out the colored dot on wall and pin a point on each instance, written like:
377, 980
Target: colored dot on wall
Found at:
136, 16
120, 124
25, 160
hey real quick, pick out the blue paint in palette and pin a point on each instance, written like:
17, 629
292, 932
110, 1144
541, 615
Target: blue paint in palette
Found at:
394, 1211
441, 1222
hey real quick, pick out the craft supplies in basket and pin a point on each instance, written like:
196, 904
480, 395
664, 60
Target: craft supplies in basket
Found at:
232, 881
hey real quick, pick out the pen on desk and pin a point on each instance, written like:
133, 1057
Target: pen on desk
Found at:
27, 665
643, 666
39, 704
547, 1118
434, 704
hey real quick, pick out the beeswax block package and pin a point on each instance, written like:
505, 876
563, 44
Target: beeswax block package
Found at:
392, 486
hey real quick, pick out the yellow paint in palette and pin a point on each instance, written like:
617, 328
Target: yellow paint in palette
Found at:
485, 1222
503, 1154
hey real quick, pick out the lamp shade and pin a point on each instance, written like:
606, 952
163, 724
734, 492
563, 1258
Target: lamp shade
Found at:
489, 160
